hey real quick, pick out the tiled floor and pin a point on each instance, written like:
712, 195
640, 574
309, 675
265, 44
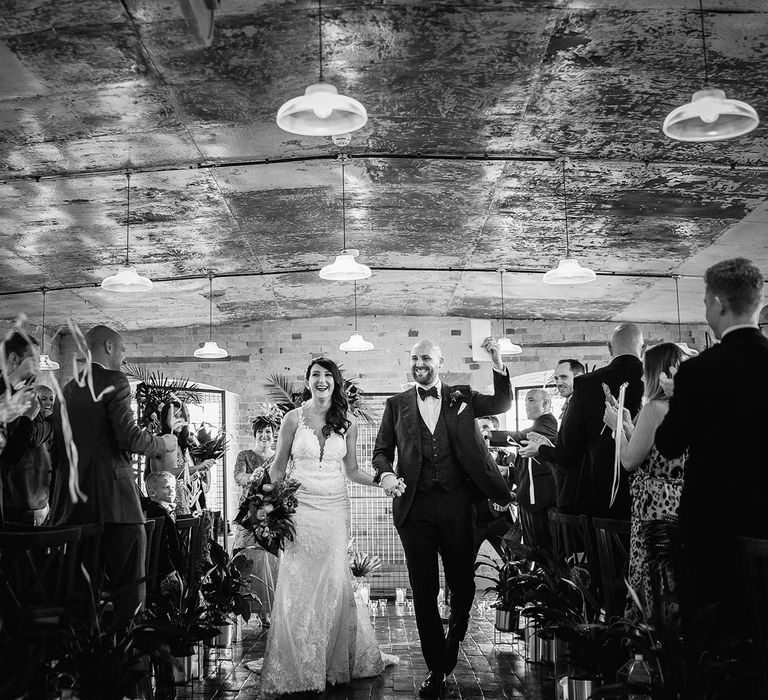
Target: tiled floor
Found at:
485, 669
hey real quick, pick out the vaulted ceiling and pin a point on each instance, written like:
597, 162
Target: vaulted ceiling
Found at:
457, 173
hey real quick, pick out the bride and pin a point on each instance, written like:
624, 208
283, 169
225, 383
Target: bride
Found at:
320, 634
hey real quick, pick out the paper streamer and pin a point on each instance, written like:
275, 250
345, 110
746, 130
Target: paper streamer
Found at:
531, 492
618, 434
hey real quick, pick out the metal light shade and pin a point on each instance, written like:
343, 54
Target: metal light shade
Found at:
507, 347
709, 116
321, 111
127, 281
47, 364
568, 271
356, 343
210, 351
344, 267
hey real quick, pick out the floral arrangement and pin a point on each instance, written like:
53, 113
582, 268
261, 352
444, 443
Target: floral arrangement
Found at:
361, 564
154, 390
271, 413
212, 448
267, 511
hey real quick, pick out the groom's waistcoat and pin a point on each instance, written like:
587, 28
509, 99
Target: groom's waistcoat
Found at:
438, 463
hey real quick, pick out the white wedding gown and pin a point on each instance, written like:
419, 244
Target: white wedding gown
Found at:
320, 632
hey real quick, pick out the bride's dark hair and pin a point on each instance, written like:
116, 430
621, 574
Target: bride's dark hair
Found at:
336, 420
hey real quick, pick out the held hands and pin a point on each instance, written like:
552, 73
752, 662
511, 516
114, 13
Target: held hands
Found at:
667, 381
392, 486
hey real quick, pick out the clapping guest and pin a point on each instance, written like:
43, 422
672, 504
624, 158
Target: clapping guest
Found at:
658, 481
25, 466
250, 466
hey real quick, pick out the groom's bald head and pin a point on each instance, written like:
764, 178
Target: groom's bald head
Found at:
426, 359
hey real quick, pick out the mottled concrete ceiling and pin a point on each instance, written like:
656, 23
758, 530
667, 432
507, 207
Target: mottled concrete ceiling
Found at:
454, 176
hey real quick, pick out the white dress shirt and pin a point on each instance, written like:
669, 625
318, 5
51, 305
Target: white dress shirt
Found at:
429, 408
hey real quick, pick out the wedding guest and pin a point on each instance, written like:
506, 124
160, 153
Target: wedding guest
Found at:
105, 434
46, 399
25, 466
725, 487
565, 476
658, 481
191, 478
251, 465
534, 477
160, 503
493, 524
583, 447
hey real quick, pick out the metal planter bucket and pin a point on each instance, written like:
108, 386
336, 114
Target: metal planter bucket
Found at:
224, 639
507, 620
189, 669
581, 689
537, 649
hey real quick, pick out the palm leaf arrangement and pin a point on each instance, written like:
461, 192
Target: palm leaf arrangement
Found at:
212, 448
280, 390
154, 390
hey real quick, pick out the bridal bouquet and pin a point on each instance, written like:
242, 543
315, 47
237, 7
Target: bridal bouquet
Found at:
267, 511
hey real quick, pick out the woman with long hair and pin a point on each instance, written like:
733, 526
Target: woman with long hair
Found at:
657, 482
252, 465
320, 634
191, 478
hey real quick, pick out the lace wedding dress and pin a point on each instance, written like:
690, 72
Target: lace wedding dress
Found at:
320, 632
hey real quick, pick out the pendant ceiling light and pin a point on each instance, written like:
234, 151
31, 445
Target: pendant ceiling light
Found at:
568, 270
46, 363
683, 346
210, 349
709, 116
127, 280
344, 267
321, 110
356, 342
506, 346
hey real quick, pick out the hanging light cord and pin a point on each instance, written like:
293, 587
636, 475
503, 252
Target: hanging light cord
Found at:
677, 299
42, 332
565, 202
704, 45
320, 35
128, 219
501, 281
355, 306
210, 306
343, 207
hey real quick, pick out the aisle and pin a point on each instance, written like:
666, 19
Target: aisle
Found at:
483, 671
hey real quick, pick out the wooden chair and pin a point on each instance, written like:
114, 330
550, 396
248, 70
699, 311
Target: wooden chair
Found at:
154, 530
37, 577
571, 537
754, 556
189, 538
612, 539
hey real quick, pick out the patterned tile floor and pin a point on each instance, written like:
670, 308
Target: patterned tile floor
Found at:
488, 667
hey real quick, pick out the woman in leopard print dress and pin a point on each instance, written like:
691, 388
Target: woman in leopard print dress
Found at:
655, 487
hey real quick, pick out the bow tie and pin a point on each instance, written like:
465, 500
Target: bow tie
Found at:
423, 393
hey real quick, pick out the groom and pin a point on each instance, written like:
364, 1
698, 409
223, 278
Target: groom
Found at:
446, 467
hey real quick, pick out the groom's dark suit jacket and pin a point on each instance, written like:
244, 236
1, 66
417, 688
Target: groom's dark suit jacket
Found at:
105, 434
401, 429
719, 412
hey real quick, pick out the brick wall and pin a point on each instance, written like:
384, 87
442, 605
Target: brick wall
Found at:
258, 350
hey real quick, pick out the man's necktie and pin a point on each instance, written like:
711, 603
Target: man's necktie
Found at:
423, 393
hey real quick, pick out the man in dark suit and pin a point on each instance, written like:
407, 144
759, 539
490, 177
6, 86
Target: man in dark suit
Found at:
535, 480
725, 484
566, 477
105, 434
446, 467
583, 444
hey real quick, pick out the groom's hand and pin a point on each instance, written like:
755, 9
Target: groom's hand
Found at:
392, 485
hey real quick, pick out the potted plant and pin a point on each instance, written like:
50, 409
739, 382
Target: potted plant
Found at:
361, 565
513, 582
226, 592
